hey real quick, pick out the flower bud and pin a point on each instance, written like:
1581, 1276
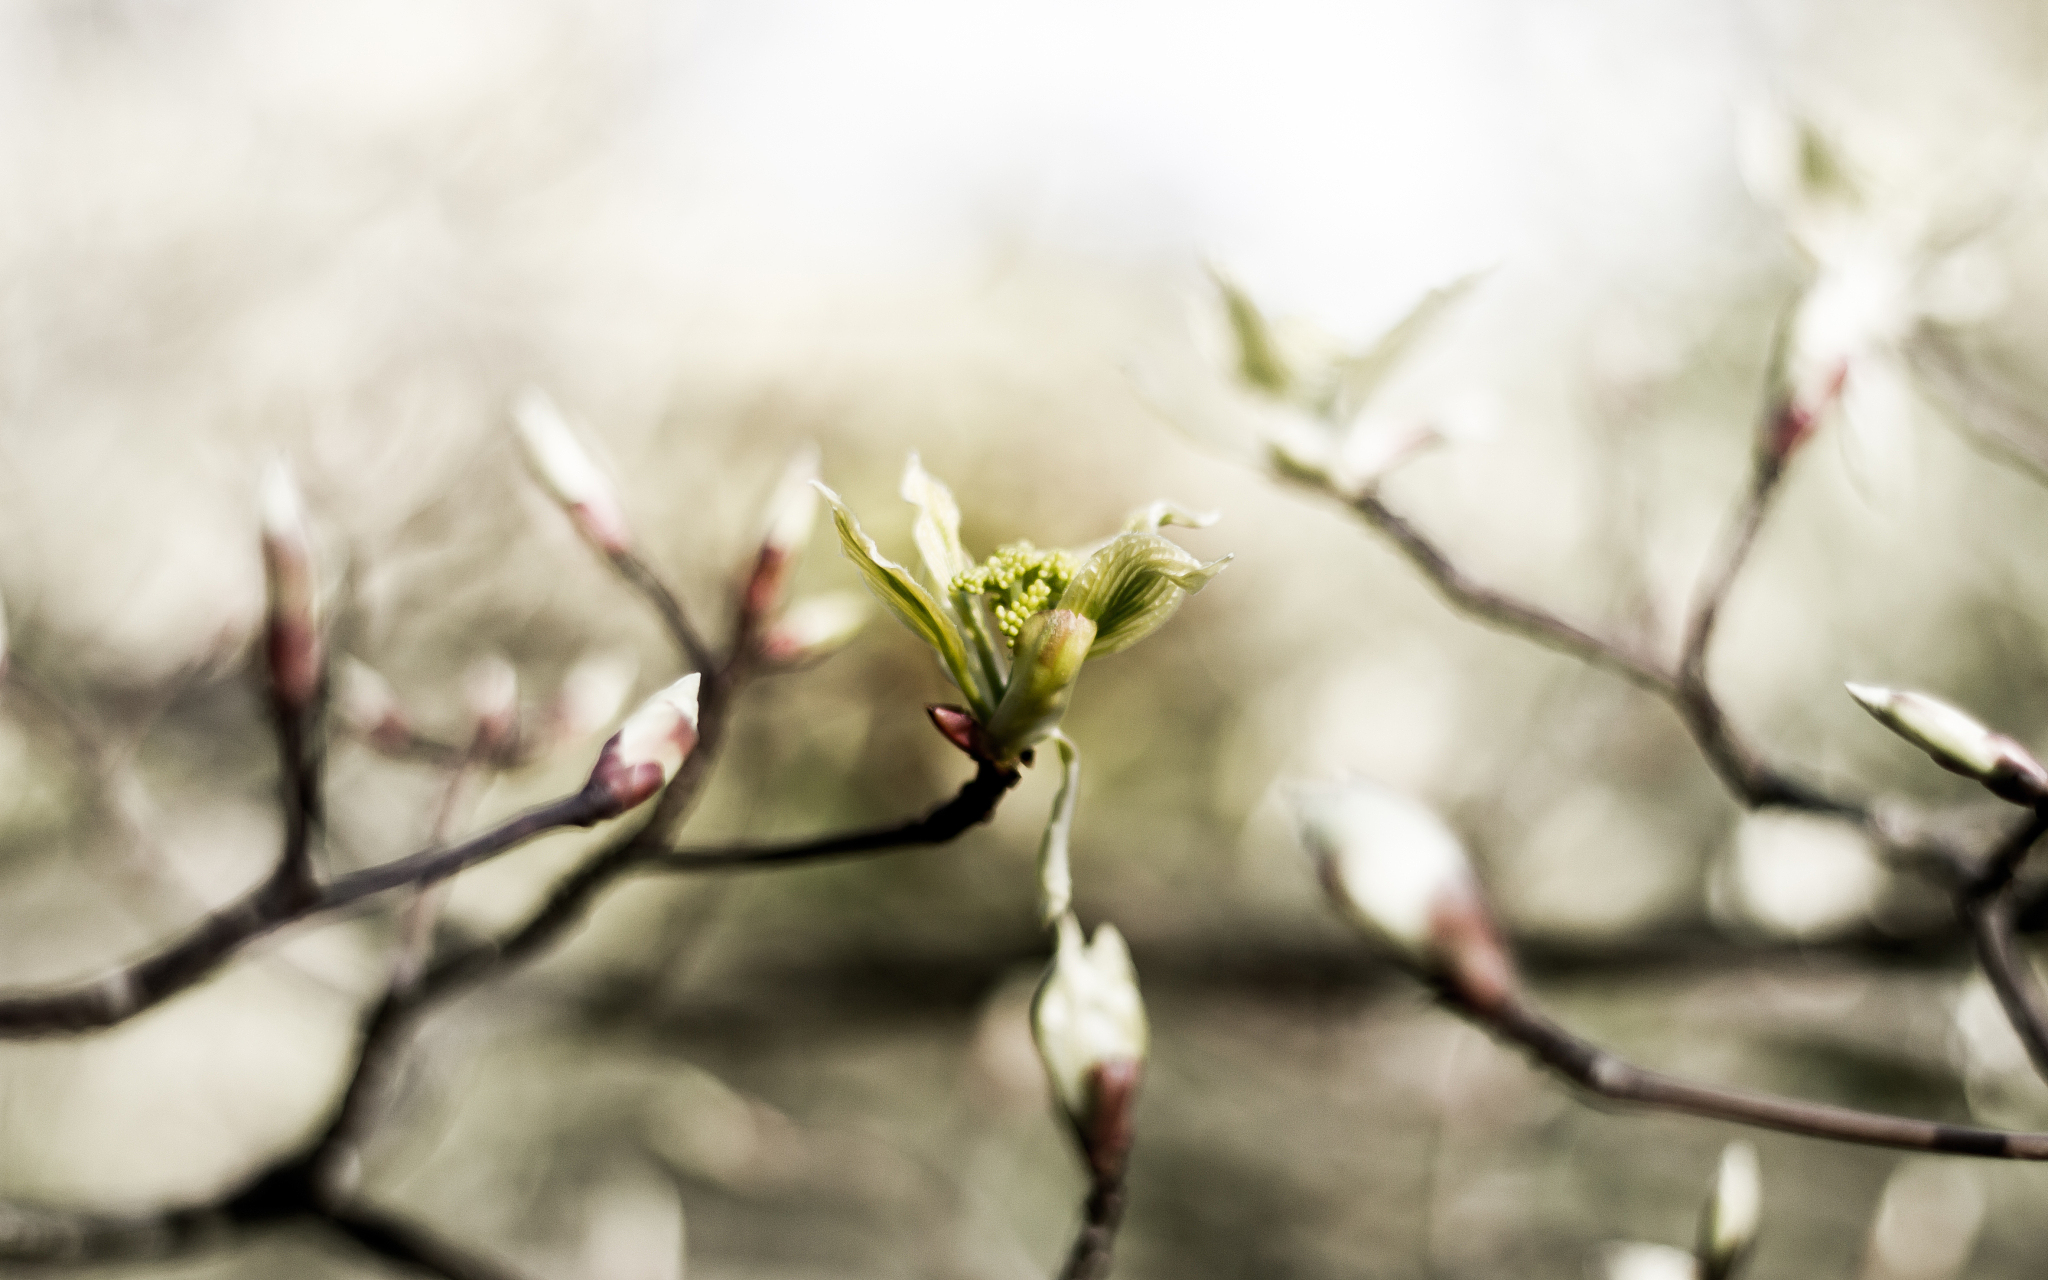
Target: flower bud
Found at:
491, 688
1048, 657
592, 693
1648, 1262
559, 461
1089, 1022
1957, 742
367, 705
292, 641
1400, 874
816, 628
1728, 1221
645, 753
792, 511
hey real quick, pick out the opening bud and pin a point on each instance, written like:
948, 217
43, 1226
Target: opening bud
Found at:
792, 511
816, 628
1050, 649
1728, 1220
641, 758
292, 641
369, 707
562, 465
1393, 866
1089, 1022
1957, 742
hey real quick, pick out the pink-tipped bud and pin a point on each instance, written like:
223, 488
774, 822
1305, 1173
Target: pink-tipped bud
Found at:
560, 462
816, 628
292, 640
1088, 1020
1799, 413
369, 707
961, 729
1402, 876
792, 512
641, 758
491, 689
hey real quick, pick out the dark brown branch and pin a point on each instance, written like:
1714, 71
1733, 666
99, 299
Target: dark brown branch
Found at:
974, 804
277, 902
1095, 1243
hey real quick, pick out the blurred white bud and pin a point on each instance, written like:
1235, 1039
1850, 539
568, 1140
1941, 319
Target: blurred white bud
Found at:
592, 693
643, 756
367, 704
792, 511
1402, 875
1927, 1221
560, 462
1957, 741
817, 627
1649, 1262
293, 640
490, 688
1089, 1022
1728, 1222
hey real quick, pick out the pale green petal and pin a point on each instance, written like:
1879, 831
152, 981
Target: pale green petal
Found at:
1258, 354
1152, 518
1361, 375
937, 530
893, 586
1132, 586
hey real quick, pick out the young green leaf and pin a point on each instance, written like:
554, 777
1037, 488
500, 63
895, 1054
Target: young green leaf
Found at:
893, 586
1132, 586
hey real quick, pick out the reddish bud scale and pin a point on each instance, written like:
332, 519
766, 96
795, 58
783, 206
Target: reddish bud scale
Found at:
764, 585
292, 648
1475, 962
962, 730
1795, 420
1110, 1127
623, 786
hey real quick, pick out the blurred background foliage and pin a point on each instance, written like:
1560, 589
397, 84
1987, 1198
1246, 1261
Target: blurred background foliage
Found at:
715, 231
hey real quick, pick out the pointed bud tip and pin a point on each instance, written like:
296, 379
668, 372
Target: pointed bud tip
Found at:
643, 756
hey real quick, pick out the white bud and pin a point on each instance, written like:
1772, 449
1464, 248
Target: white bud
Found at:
1649, 1262
1728, 1222
817, 626
793, 506
592, 693
293, 642
491, 689
1956, 740
366, 702
1390, 862
560, 462
1087, 1014
643, 756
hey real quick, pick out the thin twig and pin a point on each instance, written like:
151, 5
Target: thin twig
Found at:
409, 1244
1608, 1076
680, 629
277, 902
1095, 1243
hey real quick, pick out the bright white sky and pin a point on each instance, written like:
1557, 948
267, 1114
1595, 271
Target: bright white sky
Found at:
1337, 156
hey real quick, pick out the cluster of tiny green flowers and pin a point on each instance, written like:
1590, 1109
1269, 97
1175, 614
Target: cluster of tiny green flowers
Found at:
1019, 580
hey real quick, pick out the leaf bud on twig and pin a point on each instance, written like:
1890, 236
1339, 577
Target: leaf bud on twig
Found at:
792, 512
292, 632
1401, 875
368, 706
1728, 1220
560, 462
643, 756
816, 628
1957, 742
491, 689
1089, 1023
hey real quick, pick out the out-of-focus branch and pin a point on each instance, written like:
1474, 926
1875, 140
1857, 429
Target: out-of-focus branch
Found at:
1989, 417
673, 617
279, 901
1095, 1243
1608, 1076
410, 1245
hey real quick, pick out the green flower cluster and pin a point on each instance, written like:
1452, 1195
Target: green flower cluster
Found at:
1018, 581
